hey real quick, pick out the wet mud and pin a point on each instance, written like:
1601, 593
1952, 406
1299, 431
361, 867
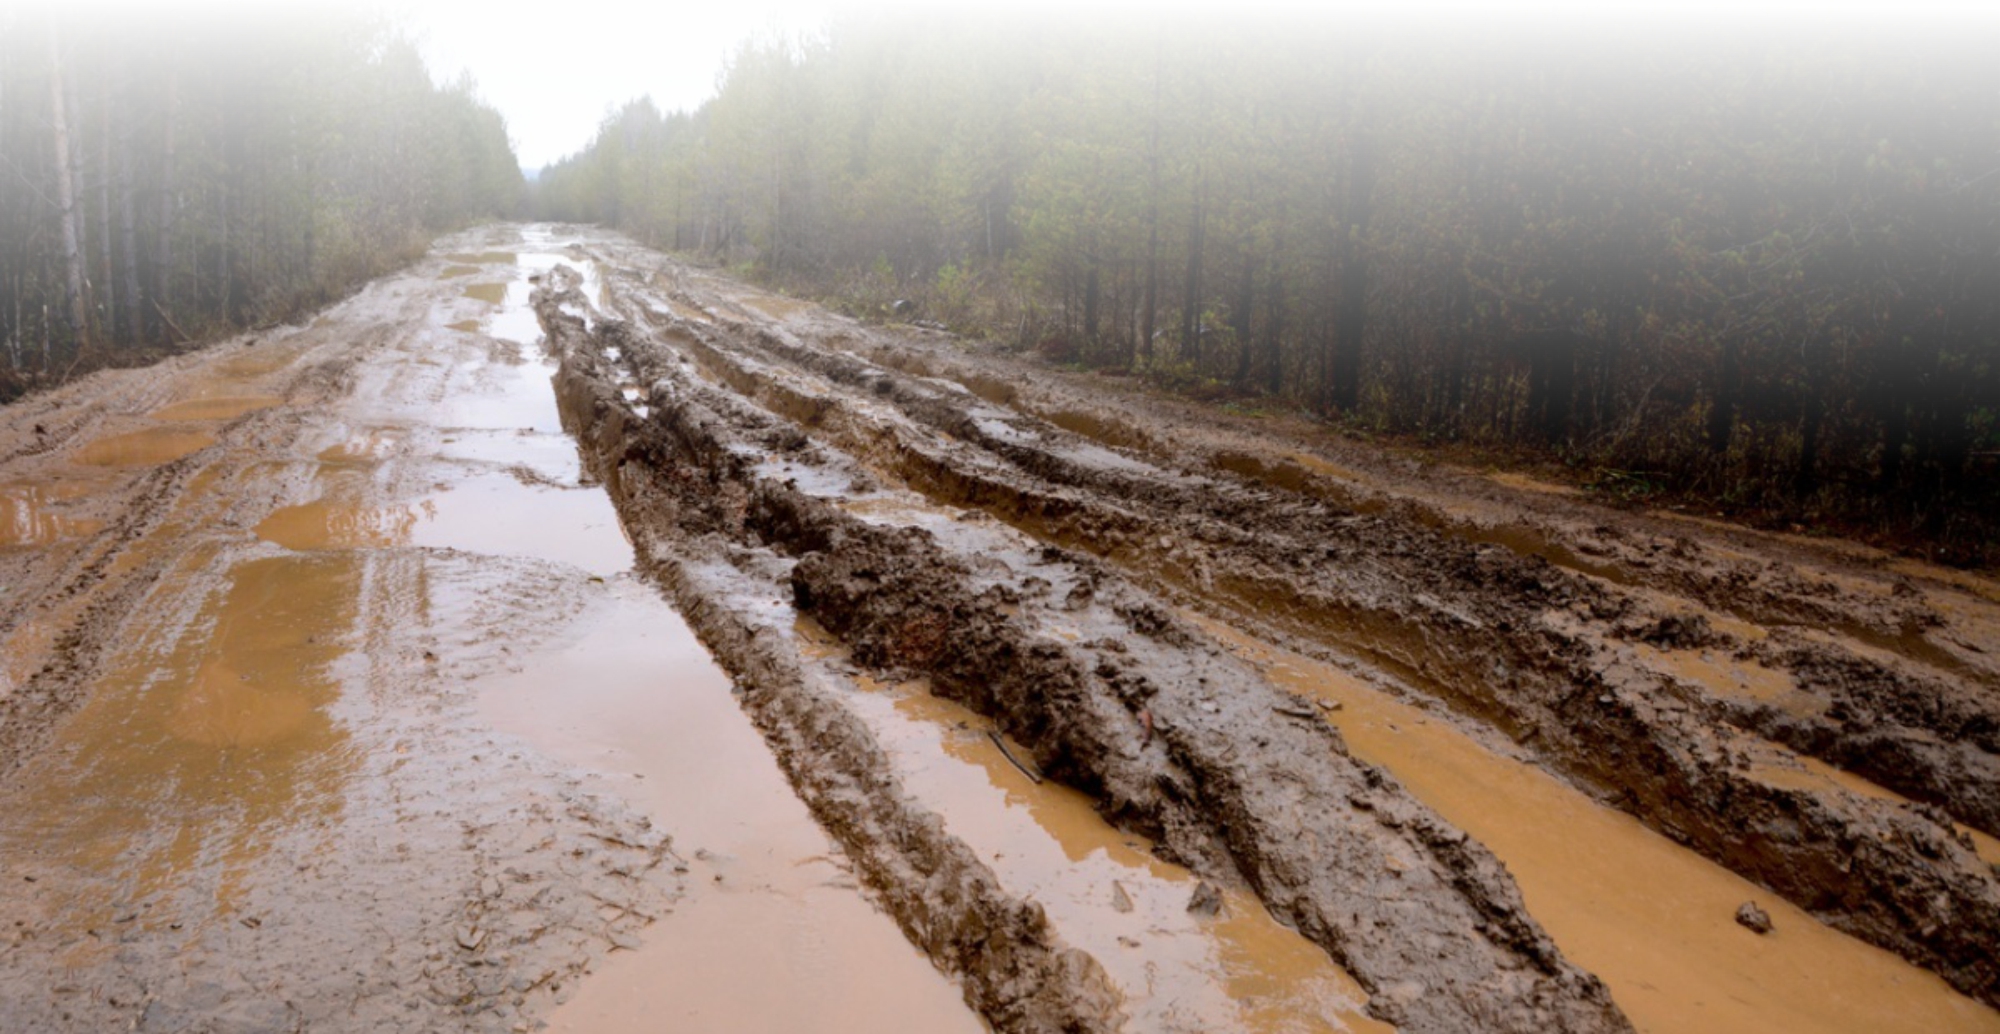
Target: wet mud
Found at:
255, 601
558, 636
1599, 646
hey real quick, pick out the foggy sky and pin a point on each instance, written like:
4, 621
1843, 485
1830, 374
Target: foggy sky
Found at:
555, 68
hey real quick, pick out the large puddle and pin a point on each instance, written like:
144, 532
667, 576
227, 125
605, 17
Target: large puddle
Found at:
1653, 919
773, 935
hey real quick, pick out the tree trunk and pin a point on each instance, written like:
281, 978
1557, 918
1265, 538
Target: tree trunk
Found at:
1351, 318
1240, 320
1147, 324
1191, 299
135, 319
163, 226
66, 198
1091, 297
1722, 414
1274, 329
107, 275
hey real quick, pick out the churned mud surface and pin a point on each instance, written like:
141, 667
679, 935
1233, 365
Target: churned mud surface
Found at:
1482, 743
358, 677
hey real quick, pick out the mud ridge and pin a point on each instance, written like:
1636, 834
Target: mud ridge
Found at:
1901, 728
1013, 969
1512, 649
1147, 715
1770, 594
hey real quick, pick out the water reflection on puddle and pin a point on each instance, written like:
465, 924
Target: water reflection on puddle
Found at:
32, 515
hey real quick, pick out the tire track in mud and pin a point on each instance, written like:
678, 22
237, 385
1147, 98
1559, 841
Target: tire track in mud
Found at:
76, 591
1662, 748
947, 901
242, 791
1913, 719
1667, 754
1423, 917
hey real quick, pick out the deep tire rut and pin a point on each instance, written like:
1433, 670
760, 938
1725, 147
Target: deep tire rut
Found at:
1143, 712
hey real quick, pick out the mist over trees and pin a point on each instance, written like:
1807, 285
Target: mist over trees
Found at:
1763, 268
169, 174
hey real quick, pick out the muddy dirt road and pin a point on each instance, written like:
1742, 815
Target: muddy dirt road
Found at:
336, 699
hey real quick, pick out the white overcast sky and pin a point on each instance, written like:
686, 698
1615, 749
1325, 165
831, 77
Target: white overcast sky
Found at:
556, 67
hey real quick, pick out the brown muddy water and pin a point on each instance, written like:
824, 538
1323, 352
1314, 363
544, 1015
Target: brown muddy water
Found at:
1104, 890
394, 742
1654, 920
148, 448
385, 733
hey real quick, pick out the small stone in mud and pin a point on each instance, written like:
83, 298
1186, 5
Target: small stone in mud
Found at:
471, 937
1120, 901
1206, 900
1755, 919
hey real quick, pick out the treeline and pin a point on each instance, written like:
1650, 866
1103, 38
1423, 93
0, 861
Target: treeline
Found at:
166, 175
1762, 269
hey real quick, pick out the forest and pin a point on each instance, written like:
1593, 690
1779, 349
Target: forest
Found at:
1755, 272
170, 175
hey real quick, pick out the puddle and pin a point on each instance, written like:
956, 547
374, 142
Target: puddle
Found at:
451, 272
1654, 920
492, 294
31, 515
464, 326
363, 447
1725, 676
260, 360
503, 396
496, 514
208, 729
1104, 890
322, 525
772, 935
482, 258
1810, 773
777, 307
144, 448
220, 407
